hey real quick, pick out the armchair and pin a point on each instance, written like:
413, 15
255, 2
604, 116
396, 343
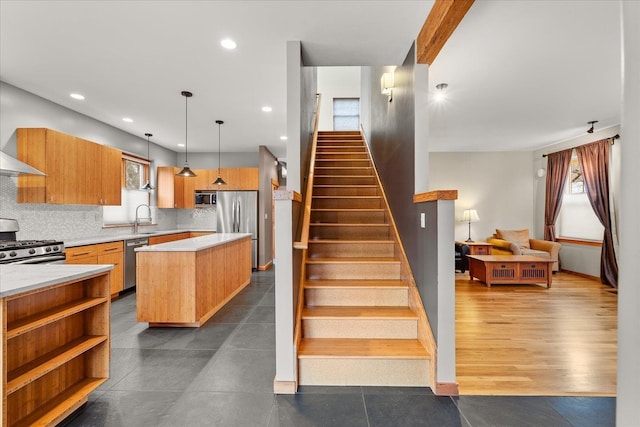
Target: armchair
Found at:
517, 242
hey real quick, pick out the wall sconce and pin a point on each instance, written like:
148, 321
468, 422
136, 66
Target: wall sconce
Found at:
386, 85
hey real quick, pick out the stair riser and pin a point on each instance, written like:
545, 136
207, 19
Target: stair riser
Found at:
353, 271
341, 149
380, 232
333, 180
348, 203
342, 138
332, 163
363, 372
345, 191
342, 156
348, 217
362, 297
360, 328
354, 250
319, 171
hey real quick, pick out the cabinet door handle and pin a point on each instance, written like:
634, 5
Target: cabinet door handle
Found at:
111, 249
81, 253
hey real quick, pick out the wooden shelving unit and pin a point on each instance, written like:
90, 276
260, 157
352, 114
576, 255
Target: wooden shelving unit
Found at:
56, 350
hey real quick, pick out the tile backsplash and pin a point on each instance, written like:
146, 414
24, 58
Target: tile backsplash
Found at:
72, 222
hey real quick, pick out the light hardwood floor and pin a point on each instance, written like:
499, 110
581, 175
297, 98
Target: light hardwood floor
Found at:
530, 340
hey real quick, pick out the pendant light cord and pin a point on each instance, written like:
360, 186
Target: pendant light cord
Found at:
219, 126
186, 130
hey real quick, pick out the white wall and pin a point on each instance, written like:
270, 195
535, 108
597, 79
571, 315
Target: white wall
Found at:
43, 221
227, 160
628, 396
499, 185
336, 82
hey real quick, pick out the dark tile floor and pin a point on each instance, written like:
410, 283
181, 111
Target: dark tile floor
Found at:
222, 375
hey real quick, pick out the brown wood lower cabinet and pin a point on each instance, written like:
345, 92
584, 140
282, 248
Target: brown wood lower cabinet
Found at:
56, 347
186, 288
102, 253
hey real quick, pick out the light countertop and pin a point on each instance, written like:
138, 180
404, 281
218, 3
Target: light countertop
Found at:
195, 243
104, 239
16, 279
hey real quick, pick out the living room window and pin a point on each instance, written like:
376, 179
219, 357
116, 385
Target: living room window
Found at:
577, 219
346, 113
576, 179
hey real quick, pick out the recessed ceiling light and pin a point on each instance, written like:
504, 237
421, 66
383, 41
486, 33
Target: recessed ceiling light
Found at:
284, 138
267, 109
77, 96
180, 145
228, 44
127, 119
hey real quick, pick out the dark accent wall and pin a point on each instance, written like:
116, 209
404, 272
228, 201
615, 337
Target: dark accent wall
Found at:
392, 147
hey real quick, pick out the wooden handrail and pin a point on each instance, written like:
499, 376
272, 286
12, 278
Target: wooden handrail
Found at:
303, 242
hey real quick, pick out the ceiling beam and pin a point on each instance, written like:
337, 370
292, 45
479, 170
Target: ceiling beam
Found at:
443, 19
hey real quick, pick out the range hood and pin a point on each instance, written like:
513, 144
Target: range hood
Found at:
14, 167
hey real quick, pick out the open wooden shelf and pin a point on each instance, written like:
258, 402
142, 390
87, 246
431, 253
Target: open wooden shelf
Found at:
63, 404
46, 363
55, 349
38, 320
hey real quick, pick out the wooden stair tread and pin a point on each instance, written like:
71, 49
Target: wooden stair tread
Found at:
315, 284
341, 224
355, 312
333, 241
361, 348
345, 186
349, 260
347, 197
347, 210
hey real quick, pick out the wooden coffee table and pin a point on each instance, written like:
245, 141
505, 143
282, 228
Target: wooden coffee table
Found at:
510, 269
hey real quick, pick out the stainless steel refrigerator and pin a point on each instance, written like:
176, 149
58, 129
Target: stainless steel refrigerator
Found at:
237, 212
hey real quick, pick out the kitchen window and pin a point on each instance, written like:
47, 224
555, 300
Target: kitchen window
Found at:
135, 172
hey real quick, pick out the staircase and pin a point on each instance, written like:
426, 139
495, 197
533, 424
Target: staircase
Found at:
357, 324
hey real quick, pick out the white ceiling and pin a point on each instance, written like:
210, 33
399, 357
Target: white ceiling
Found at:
521, 74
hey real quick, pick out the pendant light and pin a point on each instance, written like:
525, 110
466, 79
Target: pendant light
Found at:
186, 171
219, 180
148, 186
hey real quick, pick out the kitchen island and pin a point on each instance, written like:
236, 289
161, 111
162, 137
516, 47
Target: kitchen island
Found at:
55, 339
185, 282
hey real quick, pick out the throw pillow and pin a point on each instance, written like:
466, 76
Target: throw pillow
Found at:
519, 237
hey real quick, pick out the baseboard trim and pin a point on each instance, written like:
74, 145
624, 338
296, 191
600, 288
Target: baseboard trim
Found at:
285, 387
447, 389
266, 266
586, 276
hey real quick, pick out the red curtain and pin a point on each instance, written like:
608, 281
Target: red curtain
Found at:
594, 162
557, 170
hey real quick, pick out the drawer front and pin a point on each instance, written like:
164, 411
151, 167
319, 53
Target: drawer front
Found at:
110, 248
482, 250
534, 270
81, 252
504, 271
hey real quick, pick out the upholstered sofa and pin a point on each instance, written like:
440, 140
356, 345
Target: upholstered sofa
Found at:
517, 242
461, 252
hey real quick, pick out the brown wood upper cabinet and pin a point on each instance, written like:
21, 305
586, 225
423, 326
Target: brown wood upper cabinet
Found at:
79, 172
178, 192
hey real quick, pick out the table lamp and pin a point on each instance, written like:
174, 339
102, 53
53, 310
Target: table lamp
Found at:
470, 215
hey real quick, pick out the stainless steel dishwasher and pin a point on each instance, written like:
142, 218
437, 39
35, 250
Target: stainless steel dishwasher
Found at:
130, 260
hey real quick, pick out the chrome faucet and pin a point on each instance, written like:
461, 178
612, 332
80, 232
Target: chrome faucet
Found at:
136, 223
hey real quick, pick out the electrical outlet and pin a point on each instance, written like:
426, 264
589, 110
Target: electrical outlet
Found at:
423, 220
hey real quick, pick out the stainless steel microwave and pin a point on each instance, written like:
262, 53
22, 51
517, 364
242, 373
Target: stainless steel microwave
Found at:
205, 198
